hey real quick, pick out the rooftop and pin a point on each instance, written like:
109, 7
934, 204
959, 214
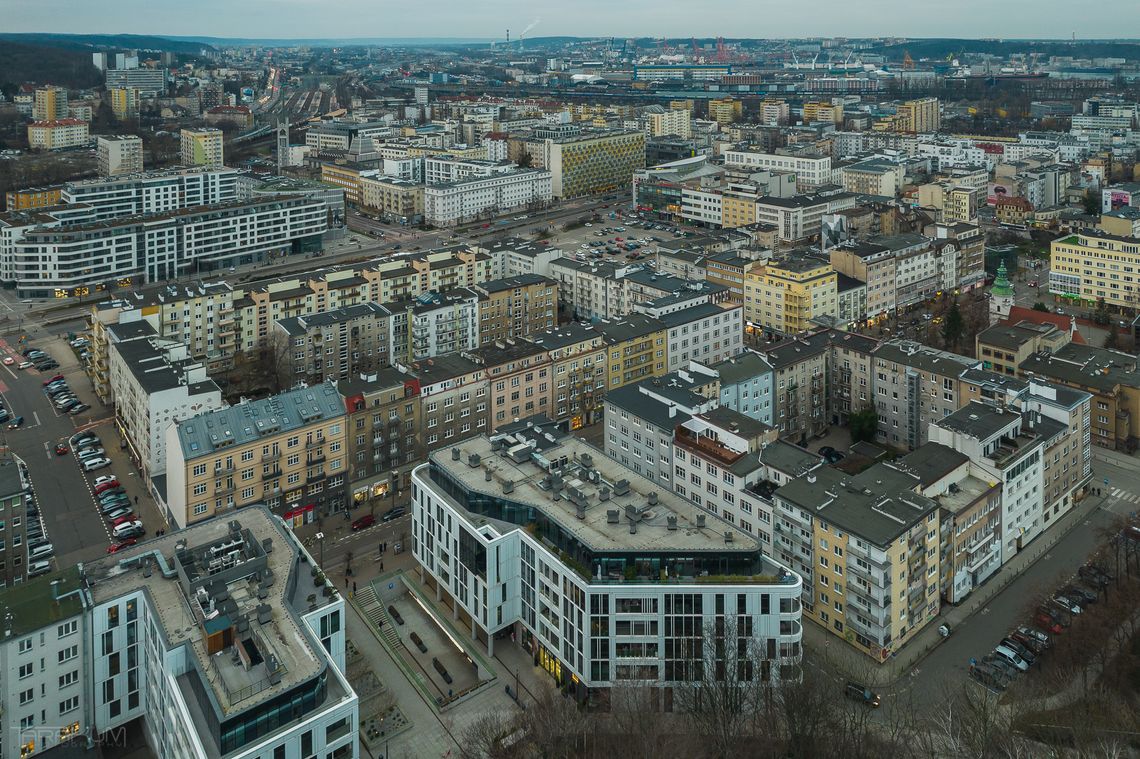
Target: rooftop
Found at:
919, 356
248, 421
603, 525
741, 367
980, 421
41, 601
932, 461
299, 325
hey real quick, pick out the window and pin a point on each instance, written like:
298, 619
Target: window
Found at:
71, 678
68, 654
26, 670
69, 705
27, 696
25, 645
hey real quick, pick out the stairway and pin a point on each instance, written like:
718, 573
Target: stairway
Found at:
374, 611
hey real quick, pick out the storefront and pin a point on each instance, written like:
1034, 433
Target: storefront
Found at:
299, 516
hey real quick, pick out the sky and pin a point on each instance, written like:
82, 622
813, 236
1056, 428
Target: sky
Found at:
489, 19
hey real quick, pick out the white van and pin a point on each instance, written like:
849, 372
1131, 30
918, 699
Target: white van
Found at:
41, 552
127, 528
92, 464
1012, 657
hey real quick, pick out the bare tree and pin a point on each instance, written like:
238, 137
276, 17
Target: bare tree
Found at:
491, 736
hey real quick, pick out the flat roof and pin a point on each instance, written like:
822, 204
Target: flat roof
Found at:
979, 420
594, 529
251, 583
28, 606
742, 366
933, 461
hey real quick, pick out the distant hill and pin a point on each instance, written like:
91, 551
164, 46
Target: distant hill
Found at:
104, 41
332, 42
44, 64
941, 48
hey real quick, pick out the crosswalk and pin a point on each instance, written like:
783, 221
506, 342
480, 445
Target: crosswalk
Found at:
1124, 495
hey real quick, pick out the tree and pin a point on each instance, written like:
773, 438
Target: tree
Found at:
1101, 315
1092, 204
1112, 339
863, 424
953, 326
1040, 306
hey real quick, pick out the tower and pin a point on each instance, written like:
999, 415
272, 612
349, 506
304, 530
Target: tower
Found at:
282, 145
1001, 296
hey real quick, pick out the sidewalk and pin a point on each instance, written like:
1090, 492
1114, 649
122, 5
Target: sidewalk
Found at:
901, 664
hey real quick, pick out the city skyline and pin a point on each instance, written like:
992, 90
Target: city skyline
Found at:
259, 19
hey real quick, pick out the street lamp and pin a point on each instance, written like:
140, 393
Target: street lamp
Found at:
321, 539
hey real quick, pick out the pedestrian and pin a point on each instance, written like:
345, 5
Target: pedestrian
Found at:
354, 586
381, 566
346, 582
136, 500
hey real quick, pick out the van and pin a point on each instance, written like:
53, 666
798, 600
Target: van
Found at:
92, 464
127, 528
37, 568
1011, 656
41, 552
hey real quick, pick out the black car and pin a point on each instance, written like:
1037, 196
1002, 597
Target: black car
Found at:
1082, 596
862, 694
395, 513
51, 364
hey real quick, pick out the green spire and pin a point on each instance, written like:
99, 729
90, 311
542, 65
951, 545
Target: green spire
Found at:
1002, 288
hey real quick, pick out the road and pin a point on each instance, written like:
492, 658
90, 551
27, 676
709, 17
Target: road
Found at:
977, 637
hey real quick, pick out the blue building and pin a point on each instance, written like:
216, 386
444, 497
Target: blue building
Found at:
746, 385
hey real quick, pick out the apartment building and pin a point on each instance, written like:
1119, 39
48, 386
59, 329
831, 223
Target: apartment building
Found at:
868, 549
637, 347
578, 370
149, 82
516, 306
591, 290
640, 420
668, 122
592, 162
519, 379
746, 380
155, 192
727, 270
63, 261
59, 134
1094, 266
1009, 453
32, 197
334, 345
339, 135
851, 384
915, 385
797, 218
46, 630
1111, 377
607, 567
874, 264
514, 256
1063, 418
785, 294
125, 102
283, 451
1003, 347
969, 508
873, 177
156, 383
432, 324
970, 244
952, 202
393, 199
202, 147
799, 386
119, 154
478, 197
919, 116
704, 332
217, 660
13, 531
49, 104
384, 440
725, 110
453, 393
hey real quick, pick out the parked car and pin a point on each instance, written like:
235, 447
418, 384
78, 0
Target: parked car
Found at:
105, 478
25, 365
989, 676
8, 361
37, 568
1038, 635
52, 380
1012, 656
1002, 665
116, 547
128, 530
1067, 604
1082, 596
61, 449
1034, 645
862, 694
106, 485
16, 423
394, 513
120, 518
92, 465
364, 522
1019, 649
1048, 623
78, 408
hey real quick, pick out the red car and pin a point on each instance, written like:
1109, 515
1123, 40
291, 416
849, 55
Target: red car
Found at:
116, 547
50, 380
106, 486
123, 519
365, 521
1046, 623
60, 449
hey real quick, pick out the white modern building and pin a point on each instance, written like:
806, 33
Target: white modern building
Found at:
812, 170
515, 256
152, 193
483, 196
704, 332
602, 575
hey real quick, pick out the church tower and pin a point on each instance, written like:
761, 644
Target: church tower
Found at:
1001, 296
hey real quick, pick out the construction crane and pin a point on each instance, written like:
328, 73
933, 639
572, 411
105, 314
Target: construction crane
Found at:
696, 50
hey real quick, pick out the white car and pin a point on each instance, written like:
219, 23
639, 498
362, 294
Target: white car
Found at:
90, 465
104, 478
25, 365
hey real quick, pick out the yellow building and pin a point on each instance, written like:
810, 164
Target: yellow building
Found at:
57, 135
636, 348
784, 294
725, 110
815, 110
124, 102
202, 147
349, 177
578, 370
593, 162
32, 197
921, 116
737, 209
287, 451
1092, 265
681, 105
50, 104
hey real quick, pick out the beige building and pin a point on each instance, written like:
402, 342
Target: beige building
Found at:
285, 451
58, 134
725, 110
202, 147
799, 386
783, 295
384, 440
453, 396
518, 306
1092, 266
119, 154
518, 379
670, 122
815, 110
334, 345
874, 264
873, 177
399, 199
124, 102
1003, 347
50, 104
952, 202
578, 371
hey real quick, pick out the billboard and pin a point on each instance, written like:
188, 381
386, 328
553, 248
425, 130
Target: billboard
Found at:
998, 190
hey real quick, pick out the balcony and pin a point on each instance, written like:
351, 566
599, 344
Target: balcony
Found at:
316, 442
314, 460
223, 470
706, 446
276, 472
271, 456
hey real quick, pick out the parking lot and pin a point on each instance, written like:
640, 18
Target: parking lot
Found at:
63, 491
